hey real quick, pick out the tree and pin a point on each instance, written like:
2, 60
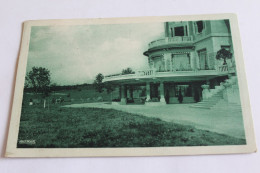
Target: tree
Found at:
127, 71
99, 86
224, 54
39, 80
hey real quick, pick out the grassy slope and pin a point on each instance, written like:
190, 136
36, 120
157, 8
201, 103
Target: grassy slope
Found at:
92, 127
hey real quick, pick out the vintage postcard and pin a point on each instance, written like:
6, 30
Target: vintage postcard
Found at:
148, 86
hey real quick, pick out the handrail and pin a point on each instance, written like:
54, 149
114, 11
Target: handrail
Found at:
167, 40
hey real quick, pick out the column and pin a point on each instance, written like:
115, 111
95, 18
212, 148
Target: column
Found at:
167, 59
205, 91
164, 62
148, 91
184, 29
131, 95
197, 61
123, 94
193, 62
119, 89
171, 62
161, 89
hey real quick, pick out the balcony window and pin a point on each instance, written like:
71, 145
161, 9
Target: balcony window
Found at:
159, 63
181, 62
199, 27
203, 59
179, 31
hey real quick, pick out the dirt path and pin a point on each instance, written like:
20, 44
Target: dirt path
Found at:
221, 122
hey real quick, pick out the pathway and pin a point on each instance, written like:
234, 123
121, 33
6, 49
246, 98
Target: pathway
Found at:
230, 123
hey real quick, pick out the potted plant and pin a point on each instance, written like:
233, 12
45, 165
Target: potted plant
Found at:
223, 54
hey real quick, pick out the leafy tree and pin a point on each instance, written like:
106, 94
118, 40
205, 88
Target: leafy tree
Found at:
39, 80
99, 86
127, 71
224, 54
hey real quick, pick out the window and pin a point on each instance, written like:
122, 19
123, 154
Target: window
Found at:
203, 59
179, 31
199, 27
181, 62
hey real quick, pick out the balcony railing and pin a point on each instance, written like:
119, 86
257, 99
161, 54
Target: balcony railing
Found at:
171, 40
221, 69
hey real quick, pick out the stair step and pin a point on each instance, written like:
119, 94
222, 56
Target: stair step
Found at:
216, 101
203, 107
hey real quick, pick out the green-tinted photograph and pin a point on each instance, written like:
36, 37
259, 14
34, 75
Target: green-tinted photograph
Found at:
158, 84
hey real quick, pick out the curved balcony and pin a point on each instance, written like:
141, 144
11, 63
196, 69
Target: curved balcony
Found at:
171, 40
153, 74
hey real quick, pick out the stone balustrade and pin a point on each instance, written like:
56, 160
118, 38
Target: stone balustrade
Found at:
153, 73
148, 72
170, 40
222, 68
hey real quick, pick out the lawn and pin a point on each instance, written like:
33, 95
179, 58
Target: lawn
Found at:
58, 127
73, 96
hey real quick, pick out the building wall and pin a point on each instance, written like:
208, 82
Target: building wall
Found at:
208, 45
207, 40
221, 41
208, 27
191, 29
219, 26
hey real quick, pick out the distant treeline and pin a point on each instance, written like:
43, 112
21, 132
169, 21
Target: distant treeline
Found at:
65, 87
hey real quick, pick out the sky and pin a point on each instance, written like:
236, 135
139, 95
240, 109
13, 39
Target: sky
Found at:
76, 54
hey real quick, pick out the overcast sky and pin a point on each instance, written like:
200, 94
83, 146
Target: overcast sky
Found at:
76, 54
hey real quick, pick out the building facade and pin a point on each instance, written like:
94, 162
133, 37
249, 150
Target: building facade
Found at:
182, 66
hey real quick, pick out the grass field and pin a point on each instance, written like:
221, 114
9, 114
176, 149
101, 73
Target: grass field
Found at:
58, 127
72, 96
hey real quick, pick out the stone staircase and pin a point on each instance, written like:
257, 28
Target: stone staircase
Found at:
210, 102
216, 100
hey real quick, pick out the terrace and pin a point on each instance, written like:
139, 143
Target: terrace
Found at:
153, 74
